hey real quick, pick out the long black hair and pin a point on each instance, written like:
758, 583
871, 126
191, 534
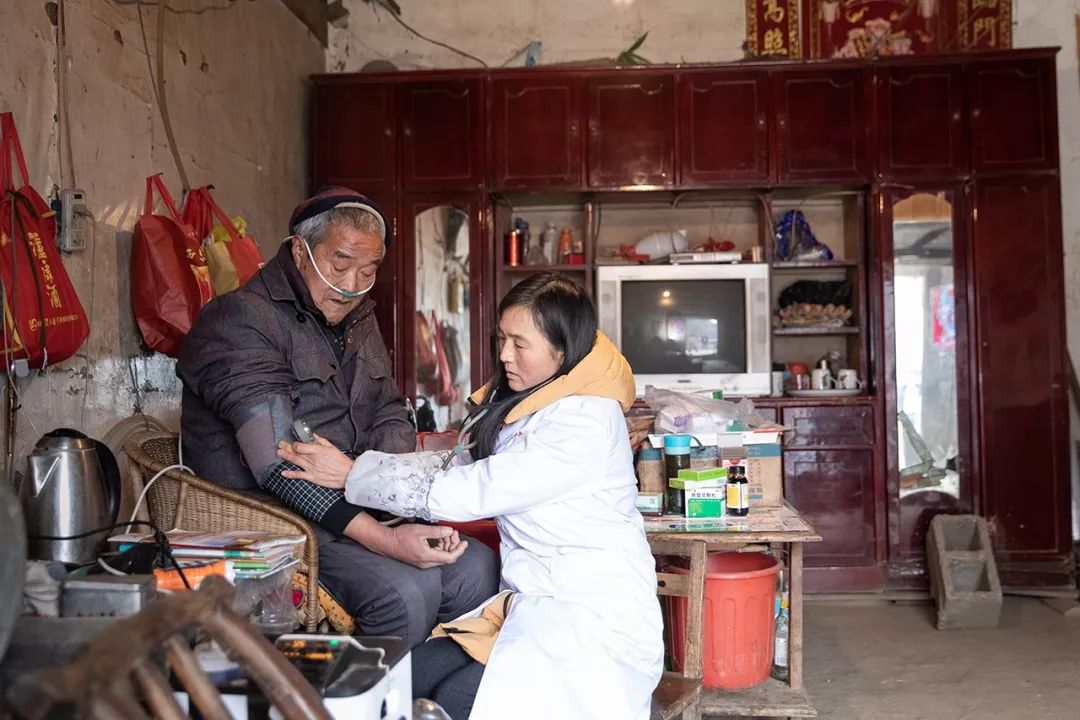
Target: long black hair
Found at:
565, 316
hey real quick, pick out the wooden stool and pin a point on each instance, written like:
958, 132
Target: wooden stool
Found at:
680, 694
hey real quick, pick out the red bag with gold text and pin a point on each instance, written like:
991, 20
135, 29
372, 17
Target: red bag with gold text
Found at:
170, 282
44, 321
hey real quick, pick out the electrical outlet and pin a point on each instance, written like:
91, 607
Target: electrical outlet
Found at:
75, 219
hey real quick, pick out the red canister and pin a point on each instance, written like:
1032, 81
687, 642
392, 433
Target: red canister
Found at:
513, 248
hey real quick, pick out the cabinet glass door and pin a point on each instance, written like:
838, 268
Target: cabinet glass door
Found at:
926, 395
443, 317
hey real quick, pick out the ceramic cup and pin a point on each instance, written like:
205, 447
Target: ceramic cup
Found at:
820, 379
848, 379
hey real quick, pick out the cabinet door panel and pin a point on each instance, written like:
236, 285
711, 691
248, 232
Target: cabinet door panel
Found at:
920, 129
631, 140
1021, 347
834, 490
825, 426
443, 134
821, 125
723, 120
536, 133
355, 135
1013, 116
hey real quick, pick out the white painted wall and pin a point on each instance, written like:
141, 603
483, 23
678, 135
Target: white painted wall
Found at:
236, 90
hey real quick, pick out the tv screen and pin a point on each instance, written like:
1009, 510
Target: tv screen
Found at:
684, 326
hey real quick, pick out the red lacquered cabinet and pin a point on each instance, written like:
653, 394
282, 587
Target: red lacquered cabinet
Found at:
1013, 115
723, 127
536, 132
356, 134
443, 130
1024, 410
821, 125
631, 133
982, 121
920, 128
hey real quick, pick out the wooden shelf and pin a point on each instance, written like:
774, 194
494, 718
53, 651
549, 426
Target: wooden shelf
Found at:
545, 268
842, 330
818, 265
771, 698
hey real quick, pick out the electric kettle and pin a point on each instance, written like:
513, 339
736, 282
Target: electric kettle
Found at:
72, 486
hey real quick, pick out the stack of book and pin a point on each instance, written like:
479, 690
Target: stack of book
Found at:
247, 554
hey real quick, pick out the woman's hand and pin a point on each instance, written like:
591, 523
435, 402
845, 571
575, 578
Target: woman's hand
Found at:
319, 462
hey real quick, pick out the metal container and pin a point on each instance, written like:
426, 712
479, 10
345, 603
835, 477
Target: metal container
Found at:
106, 595
72, 486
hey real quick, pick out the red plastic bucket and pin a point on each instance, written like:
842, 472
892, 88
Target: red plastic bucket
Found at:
740, 597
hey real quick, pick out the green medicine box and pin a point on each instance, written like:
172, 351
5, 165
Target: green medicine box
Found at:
716, 473
705, 503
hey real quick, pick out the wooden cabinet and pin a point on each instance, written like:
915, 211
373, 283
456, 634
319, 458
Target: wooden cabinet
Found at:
631, 136
832, 489
723, 127
1019, 291
1013, 115
536, 133
356, 138
821, 124
831, 476
791, 129
442, 128
920, 128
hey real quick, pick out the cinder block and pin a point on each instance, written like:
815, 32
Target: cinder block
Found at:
963, 574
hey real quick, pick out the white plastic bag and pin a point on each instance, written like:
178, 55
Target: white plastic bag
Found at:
678, 412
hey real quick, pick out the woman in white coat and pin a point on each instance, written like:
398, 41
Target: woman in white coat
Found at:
552, 464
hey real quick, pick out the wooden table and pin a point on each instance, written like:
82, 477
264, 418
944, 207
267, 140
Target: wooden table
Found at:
772, 698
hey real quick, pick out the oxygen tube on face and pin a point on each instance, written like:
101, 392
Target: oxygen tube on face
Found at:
344, 293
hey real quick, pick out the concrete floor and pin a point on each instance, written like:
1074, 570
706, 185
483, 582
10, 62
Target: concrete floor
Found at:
871, 660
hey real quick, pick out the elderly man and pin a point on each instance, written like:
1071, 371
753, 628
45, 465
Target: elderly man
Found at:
300, 341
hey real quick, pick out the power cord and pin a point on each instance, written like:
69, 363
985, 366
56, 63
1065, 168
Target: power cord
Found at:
160, 538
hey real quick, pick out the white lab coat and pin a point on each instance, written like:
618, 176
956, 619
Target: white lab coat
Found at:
584, 637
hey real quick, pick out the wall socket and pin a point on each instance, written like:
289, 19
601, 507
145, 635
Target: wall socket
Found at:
75, 220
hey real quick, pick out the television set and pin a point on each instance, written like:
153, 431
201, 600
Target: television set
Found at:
691, 328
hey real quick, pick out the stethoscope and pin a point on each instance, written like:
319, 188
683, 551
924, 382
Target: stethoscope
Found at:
344, 293
461, 447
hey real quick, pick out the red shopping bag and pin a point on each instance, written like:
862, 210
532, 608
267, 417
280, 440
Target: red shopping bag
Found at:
44, 321
170, 282
232, 261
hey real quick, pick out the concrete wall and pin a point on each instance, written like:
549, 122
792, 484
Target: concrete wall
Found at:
237, 96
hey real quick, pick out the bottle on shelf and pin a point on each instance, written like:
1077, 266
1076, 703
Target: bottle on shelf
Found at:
551, 244
566, 245
780, 646
738, 492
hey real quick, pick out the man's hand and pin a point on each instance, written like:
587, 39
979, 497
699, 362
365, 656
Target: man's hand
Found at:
319, 462
424, 546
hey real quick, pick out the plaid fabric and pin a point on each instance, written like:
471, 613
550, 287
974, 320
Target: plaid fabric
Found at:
310, 500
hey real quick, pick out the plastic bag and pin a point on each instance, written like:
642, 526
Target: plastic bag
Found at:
678, 412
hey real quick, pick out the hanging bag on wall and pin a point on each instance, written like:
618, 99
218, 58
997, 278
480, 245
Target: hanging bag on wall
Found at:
232, 256
170, 282
44, 321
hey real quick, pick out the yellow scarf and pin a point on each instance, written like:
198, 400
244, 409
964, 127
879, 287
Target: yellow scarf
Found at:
604, 372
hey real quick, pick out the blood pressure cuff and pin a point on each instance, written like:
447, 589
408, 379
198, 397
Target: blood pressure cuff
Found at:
259, 432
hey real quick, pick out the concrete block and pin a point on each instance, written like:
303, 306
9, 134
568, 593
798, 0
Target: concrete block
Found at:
963, 575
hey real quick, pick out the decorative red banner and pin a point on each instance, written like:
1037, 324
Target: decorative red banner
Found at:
772, 28
873, 28
984, 24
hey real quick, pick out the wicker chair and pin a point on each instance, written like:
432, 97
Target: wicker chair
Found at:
181, 500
